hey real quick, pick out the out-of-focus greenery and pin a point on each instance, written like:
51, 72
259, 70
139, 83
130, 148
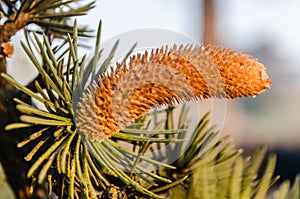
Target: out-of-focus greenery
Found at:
5, 191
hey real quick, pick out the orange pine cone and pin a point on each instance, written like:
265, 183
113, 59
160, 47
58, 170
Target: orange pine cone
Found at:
166, 77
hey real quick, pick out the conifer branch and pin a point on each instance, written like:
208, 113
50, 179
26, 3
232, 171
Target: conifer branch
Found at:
79, 162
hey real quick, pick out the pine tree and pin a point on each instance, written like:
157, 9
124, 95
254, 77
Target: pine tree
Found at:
77, 148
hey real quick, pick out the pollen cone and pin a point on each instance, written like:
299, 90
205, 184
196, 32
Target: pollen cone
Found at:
166, 77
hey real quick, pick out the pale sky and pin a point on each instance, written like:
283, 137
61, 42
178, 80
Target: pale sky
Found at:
240, 23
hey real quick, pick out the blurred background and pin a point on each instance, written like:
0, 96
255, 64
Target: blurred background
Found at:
268, 30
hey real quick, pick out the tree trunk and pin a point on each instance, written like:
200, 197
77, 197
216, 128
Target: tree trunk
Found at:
209, 36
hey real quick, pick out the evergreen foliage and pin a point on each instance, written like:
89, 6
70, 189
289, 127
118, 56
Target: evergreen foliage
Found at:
207, 167
76, 168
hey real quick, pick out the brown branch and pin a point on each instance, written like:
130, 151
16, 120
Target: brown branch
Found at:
13, 25
7, 30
